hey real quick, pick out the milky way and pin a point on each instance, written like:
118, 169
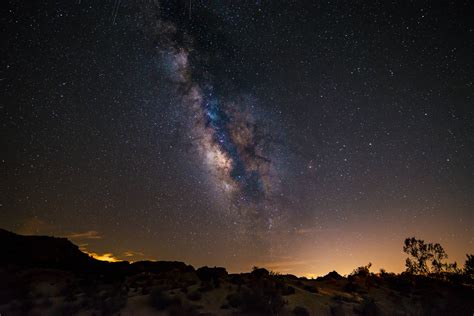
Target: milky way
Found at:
229, 139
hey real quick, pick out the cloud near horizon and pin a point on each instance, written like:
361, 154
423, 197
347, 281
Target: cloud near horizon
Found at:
109, 257
128, 255
91, 234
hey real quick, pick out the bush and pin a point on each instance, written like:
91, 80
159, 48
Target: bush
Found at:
351, 286
65, 309
236, 279
26, 305
369, 308
401, 283
205, 287
257, 300
225, 306
287, 290
194, 296
180, 310
363, 271
259, 273
113, 304
311, 288
46, 303
337, 310
235, 300
344, 298
300, 311
161, 300
207, 275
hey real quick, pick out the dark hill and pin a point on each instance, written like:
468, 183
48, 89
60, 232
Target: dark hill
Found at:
160, 267
331, 276
41, 251
60, 253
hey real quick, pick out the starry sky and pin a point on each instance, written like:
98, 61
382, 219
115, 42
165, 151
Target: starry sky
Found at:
302, 136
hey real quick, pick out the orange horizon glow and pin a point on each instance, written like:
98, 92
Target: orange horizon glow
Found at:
308, 252
108, 257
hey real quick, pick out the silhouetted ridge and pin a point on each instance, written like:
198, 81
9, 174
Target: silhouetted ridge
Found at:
160, 267
331, 276
60, 253
41, 251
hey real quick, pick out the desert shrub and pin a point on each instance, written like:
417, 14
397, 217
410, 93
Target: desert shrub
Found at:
113, 304
190, 282
85, 303
291, 277
287, 290
145, 290
259, 273
311, 288
300, 311
262, 295
194, 296
184, 310
337, 310
369, 308
161, 300
10, 291
401, 283
46, 303
362, 271
70, 296
208, 275
235, 300
26, 305
374, 281
351, 286
344, 298
258, 301
236, 279
65, 309
277, 283
205, 287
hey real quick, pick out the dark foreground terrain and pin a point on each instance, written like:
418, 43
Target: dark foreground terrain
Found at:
51, 276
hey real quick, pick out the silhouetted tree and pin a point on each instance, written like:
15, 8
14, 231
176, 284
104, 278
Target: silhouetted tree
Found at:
363, 270
469, 266
419, 251
426, 257
438, 256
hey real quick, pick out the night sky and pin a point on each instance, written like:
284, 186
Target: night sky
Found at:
302, 136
